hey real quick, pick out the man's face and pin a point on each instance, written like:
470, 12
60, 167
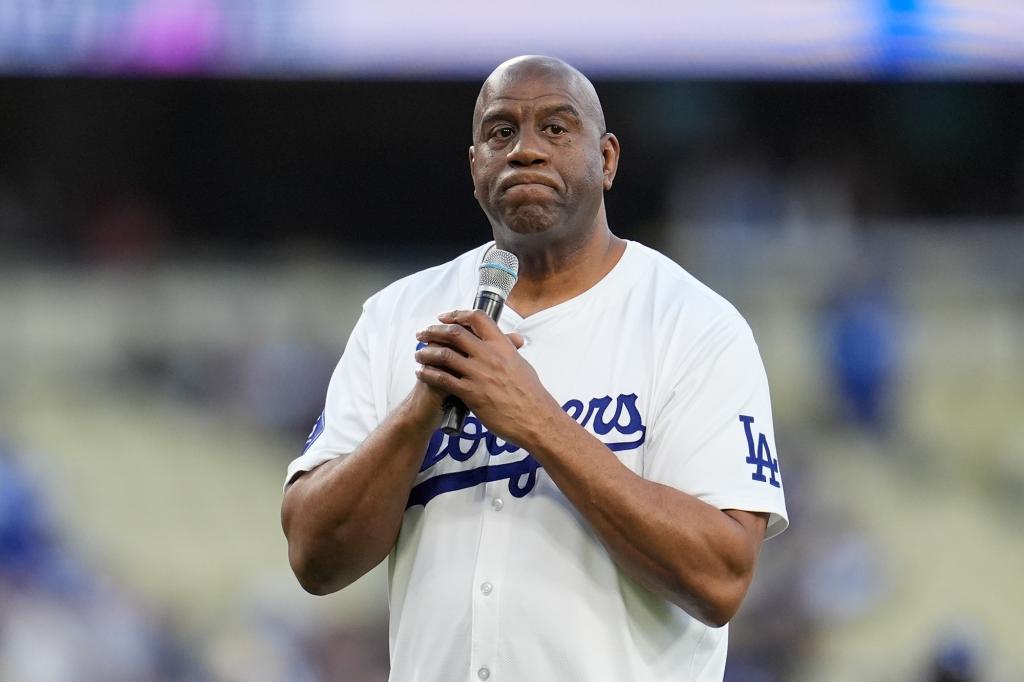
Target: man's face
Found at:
537, 160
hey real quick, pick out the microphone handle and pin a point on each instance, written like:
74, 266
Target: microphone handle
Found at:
455, 410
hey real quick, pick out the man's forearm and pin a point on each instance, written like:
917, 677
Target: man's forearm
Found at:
693, 554
342, 518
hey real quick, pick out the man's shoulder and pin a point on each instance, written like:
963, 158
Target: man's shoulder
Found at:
691, 321
681, 294
428, 284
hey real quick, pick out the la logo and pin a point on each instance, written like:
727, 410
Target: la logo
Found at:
760, 455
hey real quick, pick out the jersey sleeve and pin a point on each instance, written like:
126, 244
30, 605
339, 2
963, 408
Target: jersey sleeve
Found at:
713, 436
350, 413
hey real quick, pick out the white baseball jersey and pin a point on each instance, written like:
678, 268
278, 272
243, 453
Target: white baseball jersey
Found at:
495, 575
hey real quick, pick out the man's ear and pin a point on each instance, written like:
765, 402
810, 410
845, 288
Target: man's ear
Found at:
610, 154
472, 171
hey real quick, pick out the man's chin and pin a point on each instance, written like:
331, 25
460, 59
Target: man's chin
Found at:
527, 220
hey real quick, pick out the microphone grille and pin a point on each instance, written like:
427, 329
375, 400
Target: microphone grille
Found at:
499, 271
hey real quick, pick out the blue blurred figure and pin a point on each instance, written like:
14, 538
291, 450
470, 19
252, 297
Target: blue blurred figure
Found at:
862, 336
25, 529
957, 658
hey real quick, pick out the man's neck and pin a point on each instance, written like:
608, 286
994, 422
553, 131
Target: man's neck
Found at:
554, 275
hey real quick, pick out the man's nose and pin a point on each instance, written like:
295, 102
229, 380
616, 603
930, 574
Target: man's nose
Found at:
528, 150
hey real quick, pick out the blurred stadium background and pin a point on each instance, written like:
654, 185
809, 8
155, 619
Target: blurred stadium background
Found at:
197, 195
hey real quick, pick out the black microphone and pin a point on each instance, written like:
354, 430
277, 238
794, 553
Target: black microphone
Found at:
498, 274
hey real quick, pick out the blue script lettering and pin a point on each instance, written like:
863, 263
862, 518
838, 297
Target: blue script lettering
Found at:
622, 422
318, 429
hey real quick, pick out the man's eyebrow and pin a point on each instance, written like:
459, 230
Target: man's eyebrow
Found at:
562, 109
495, 115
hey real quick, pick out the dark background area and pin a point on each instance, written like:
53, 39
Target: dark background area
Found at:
250, 166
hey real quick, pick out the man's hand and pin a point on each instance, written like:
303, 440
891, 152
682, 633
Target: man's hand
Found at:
468, 356
426, 405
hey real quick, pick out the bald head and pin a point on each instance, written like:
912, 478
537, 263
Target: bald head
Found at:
541, 68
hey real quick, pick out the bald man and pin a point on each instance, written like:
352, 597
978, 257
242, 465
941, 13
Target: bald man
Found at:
600, 514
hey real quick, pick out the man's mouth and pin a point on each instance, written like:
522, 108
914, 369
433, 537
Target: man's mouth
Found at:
527, 181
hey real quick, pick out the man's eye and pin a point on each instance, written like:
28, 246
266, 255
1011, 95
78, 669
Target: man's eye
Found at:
504, 132
556, 129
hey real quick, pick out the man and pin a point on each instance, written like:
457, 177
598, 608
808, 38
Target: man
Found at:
600, 515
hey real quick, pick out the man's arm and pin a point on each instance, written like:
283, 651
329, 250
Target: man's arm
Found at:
697, 556
343, 517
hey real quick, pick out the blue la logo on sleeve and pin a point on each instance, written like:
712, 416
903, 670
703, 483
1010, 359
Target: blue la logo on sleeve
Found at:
760, 455
318, 428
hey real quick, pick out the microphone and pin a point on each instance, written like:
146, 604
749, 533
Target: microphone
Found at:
498, 274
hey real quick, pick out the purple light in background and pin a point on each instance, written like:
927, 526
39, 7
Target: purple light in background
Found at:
173, 36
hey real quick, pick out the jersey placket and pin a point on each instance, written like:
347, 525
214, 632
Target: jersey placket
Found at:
488, 580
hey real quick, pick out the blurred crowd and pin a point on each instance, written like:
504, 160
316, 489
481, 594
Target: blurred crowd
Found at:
62, 617
65, 618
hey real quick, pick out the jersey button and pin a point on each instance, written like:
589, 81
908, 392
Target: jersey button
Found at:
487, 588
483, 673
497, 504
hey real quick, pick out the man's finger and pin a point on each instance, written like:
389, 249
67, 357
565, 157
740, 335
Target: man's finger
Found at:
476, 320
517, 339
443, 357
454, 335
439, 379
